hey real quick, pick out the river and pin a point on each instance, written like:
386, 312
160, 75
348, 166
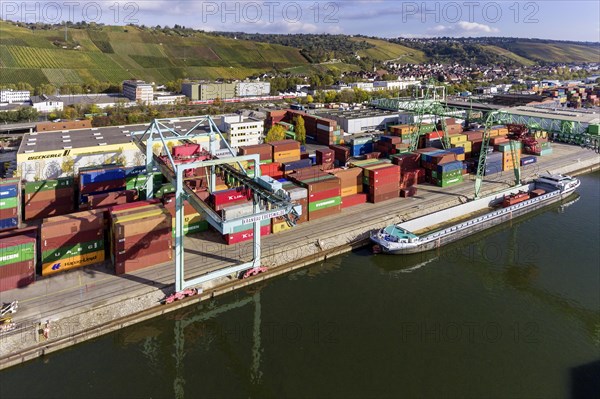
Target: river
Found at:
513, 312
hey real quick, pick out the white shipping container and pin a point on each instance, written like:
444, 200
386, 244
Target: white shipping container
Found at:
324, 127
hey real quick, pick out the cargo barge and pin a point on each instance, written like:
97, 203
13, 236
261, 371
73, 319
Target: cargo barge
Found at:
449, 225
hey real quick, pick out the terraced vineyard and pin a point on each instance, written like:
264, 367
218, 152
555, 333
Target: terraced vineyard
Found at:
114, 53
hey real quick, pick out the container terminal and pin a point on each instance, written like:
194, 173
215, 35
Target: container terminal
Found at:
103, 226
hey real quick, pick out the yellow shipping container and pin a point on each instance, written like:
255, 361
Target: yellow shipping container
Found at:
349, 191
467, 145
140, 215
457, 138
460, 157
221, 187
72, 263
280, 227
293, 154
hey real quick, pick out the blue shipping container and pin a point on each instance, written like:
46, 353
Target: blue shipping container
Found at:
9, 223
528, 160
138, 170
301, 164
457, 150
8, 191
450, 167
101, 176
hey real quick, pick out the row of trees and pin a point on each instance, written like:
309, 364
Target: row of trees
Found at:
93, 86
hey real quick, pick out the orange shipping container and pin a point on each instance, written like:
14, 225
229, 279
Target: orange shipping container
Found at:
72, 263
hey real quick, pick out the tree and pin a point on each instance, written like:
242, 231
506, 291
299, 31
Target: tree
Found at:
310, 99
300, 130
276, 133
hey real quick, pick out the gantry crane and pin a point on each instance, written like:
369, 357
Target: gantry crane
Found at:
268, 198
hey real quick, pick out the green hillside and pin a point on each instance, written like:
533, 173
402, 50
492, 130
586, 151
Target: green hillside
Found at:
386, 51
114, 53
555, 51
509, 54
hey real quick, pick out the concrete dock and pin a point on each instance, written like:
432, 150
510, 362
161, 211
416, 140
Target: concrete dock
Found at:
88, 302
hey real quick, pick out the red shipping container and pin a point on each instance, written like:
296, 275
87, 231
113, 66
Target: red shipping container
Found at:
31, 232
142, 240
71, 239
111, 199
384, 180
385, 171
50, 195
395, 186
270, 169
17, 275
384, 197
332, 210
236, 195
133, 205
353, 200
164, 244
143, 262
47, 211
318, 196
235, 238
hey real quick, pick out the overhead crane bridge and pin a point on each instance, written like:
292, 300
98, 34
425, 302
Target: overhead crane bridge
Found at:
268, 198
430, 100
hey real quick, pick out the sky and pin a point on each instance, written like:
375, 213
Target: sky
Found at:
549, 19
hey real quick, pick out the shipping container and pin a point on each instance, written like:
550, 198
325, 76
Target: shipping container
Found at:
72, 262
17, 275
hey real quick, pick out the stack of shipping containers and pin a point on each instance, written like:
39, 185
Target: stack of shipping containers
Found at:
72, 241
325, 158
17, 262
298, 195
285, 151
351, 183
103, 186
511, 154
48, 198
381, 181
193, 221
10, 204
324, 193
411, 172
141, 236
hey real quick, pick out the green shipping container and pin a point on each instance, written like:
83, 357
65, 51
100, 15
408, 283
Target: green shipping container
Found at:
194, 228
246, 227
72, 250
7, 203
324, 204
450, 182
594, 129
47, 185
17, 253
165, 189
447, 175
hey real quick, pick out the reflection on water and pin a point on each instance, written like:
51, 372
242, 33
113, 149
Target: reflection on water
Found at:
507, 313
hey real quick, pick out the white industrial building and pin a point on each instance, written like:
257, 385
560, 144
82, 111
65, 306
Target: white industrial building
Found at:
138, 90
366, 86
394, 84
47, 105
14, 96
165, 99
240, 131
362, 120
253, 89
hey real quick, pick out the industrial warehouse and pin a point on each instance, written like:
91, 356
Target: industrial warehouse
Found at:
201, 204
